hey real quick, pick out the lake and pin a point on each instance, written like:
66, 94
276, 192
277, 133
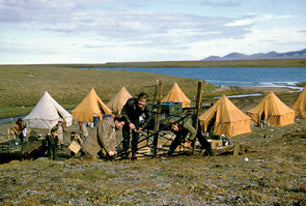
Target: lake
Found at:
264, 77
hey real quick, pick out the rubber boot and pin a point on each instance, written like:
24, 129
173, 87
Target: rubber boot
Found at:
211, 152
125, 155
134, 156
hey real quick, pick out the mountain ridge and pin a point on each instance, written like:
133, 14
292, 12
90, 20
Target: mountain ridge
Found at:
259, 56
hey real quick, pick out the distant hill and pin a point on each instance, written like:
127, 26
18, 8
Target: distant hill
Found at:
259, 56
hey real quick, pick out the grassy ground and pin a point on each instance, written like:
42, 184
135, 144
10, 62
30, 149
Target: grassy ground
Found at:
273, 175
22, 86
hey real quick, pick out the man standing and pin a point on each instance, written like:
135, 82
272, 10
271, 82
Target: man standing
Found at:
52, 141
60, 133
83, 130
181, 130
133, 110
20, 129
103, 138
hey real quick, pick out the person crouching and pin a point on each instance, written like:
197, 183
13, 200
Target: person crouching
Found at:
75, 137
182, 130
103, 139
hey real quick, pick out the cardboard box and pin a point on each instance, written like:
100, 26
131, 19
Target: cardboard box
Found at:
74, 147
214, 143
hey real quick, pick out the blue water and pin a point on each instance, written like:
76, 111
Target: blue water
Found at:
231, 76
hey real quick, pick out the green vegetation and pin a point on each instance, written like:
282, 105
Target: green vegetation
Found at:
23, 86
200, 64
205, 64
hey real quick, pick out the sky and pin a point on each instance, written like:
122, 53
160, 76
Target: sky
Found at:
100, 31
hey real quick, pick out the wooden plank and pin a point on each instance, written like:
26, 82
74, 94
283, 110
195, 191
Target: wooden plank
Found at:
196, 119
159, 89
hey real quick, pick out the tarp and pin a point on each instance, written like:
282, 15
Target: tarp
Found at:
299, 105
119, 100
46, 114
91, 105
271, 109
177, 95
225, 118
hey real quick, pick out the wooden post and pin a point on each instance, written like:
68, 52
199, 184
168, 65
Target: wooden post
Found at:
236, 149
155, 93
159, 89
196, 119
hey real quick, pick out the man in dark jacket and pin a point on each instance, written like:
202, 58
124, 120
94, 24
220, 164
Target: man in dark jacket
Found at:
181, 130
52, 141
133, 110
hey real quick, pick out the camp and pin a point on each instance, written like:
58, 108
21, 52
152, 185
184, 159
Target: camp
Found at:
91, 105
272, 110
225, 118
46, 113
119, 100
177, 95
299, 105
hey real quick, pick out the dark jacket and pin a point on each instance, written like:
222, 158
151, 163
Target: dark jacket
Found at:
186, 128
133, 112
52, 140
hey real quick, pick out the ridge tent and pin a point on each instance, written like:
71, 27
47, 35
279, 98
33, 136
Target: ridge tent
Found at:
177, 95
119, 100
225, 118
46, 114
271, 109
299, 105
91, 105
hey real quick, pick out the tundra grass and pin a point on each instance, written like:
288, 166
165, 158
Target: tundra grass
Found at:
21, 87
301, 63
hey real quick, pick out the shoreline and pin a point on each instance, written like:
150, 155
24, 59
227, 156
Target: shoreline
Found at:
260, 89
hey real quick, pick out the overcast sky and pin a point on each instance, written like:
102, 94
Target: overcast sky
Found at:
99, 31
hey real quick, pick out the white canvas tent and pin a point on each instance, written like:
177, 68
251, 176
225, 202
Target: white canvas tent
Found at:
46, 114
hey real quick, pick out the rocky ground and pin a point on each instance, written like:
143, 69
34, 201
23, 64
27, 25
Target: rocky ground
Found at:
269, 170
